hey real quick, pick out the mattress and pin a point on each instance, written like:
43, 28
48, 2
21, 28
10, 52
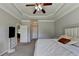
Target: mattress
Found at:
51, 47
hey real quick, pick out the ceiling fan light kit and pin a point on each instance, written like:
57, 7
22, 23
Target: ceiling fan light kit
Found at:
39, 7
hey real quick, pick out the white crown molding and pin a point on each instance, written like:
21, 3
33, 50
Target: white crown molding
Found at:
46, 21
39, 21
25, 20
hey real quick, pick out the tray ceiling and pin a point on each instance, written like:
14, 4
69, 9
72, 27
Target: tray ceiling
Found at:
53, 12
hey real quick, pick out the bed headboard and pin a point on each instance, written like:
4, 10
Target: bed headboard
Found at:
72, 31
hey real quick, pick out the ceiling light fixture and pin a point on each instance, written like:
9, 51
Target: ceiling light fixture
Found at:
38, 7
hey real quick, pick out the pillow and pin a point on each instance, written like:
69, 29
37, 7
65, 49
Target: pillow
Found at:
64, 40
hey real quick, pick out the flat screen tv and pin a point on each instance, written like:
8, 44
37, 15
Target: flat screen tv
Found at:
11, 32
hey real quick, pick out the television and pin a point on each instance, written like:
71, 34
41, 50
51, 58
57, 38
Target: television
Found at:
11, 31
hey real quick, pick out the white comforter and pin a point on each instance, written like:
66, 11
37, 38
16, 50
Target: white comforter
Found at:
51, 47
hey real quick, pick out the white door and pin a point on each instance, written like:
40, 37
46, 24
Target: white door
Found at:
34, 33
23, 31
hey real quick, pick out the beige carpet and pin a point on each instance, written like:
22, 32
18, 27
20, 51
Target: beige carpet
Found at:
24, 49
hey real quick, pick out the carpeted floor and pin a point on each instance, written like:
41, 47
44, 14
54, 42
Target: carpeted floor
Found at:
24, 49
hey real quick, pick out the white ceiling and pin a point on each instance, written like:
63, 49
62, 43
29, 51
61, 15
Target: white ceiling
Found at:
53, 12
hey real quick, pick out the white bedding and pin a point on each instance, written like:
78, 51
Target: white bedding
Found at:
51, 47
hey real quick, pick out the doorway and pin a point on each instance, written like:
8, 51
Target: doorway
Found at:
18, 34
34, 29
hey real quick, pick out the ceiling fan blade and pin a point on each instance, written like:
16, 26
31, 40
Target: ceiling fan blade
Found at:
46, 4
34, 11
43, 11
30, 5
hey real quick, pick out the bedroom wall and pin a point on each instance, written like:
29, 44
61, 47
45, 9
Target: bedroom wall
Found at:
67, 20
46, 30
6, 20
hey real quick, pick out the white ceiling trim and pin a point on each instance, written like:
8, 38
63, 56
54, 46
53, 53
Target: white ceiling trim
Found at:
46, 21
39, 20
37, 17
25, 20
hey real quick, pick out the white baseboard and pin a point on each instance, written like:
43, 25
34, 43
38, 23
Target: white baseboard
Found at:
7, 51
11, 50
4, 52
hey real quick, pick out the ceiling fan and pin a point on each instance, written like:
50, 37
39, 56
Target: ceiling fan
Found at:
39, 7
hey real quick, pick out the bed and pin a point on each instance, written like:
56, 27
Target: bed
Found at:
51, 47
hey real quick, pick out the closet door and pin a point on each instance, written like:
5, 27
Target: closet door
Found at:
23, 30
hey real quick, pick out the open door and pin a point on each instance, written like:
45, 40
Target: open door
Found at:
34, 29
